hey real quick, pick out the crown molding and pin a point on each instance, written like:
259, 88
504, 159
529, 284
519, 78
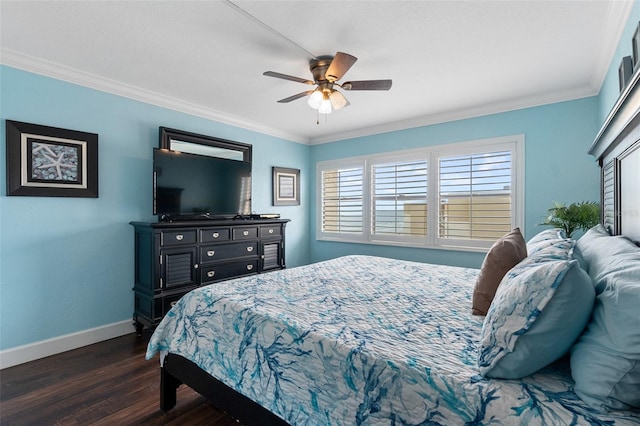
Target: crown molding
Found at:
474, 112
97, 82
93, 81
618, 12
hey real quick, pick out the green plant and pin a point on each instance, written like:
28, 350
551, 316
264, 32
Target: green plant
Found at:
582, 215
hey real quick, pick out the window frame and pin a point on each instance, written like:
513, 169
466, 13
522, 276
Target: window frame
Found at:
432, 154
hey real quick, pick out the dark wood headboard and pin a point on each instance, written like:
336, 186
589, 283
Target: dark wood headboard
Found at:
617, 149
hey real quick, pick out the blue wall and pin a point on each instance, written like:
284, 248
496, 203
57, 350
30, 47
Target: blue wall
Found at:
557, 167
66, 264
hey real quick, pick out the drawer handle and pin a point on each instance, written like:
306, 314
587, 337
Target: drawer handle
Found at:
211, 253
271, 230
179, 237
216, 235
249, 267
245, 233
210, 274
172, 304
250, 249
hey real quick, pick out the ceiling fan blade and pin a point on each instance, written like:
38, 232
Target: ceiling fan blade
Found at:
287, 77
367, 85
340, 64
294, 97
338, 100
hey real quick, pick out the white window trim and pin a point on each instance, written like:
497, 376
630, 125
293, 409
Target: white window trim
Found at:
432, 154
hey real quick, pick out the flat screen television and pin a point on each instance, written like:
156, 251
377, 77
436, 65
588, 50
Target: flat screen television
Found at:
190, 186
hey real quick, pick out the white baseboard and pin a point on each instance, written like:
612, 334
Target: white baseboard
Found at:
56, 345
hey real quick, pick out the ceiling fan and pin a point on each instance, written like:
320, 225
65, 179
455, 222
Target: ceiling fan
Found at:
326, 71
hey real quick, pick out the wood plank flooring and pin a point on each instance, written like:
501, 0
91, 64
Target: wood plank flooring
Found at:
108, 383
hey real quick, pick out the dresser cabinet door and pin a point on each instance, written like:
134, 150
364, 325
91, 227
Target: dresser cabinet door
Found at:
178, 267
271, 255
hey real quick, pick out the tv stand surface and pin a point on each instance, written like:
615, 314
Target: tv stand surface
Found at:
173, 258
207, 216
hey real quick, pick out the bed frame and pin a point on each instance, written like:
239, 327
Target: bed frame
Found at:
177, 370
617, 150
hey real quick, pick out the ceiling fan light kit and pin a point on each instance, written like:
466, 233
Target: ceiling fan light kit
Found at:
325, 105
326, 71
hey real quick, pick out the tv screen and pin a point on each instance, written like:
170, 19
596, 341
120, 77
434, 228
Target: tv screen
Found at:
196, 185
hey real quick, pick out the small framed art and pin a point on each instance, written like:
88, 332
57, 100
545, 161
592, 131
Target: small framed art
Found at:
625, 71
45, 161
635, 47
286, 187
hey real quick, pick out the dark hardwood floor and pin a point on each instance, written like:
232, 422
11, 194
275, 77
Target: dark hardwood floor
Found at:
108, 383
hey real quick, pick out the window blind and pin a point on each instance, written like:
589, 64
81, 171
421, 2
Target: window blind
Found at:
475, 196
399, 198
342, 207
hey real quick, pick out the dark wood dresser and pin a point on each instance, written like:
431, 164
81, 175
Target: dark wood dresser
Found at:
173, 258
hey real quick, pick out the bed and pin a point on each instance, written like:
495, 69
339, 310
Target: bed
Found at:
368, 340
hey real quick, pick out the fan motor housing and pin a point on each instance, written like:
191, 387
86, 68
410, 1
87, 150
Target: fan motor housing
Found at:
319, 66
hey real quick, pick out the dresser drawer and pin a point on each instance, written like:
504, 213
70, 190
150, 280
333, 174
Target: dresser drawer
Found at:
245, 233
269, 231
211, 273
169, 301
210, 235
178, 238
213, 253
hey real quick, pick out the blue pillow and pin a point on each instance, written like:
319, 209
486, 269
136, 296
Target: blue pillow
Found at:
542, 236
540, 309
598, 249
558, 249
605, 363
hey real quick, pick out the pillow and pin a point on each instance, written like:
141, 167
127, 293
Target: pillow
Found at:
540, 309
605, 363
598, 249
558, 249
547, 234
503, 255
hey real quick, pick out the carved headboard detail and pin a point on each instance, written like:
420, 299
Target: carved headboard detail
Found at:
617, 149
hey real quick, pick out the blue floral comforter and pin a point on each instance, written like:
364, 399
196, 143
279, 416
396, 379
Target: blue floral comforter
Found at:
362, 340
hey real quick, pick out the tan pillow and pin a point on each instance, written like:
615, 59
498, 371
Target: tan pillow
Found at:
504, 254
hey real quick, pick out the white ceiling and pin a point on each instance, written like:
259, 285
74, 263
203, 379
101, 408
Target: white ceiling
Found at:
447, 59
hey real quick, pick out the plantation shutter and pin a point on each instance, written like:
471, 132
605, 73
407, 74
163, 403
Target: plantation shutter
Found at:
342, 207
475, 196
399, 198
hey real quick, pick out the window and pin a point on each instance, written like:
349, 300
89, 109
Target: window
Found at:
342, 200
475, 196
476, 189
399, 198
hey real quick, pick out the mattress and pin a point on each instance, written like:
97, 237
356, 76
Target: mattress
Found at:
362, 340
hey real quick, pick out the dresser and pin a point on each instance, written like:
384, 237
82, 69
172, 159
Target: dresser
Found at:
173, 258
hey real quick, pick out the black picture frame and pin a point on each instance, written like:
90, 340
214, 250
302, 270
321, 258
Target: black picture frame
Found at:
635, 47
45, 161
286, 186
625, 71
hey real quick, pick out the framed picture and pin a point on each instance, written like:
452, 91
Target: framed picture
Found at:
286, 187
47, 161
635, 47
625, 71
